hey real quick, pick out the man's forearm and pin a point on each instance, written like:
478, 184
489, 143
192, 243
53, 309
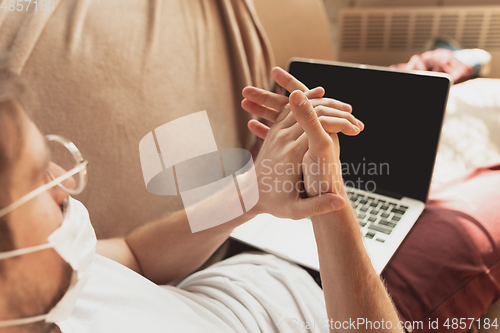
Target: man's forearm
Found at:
167, 249
351, 286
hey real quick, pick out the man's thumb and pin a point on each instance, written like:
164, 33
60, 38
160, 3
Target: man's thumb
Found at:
321, 204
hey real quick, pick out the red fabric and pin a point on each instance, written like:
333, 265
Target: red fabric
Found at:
449, 264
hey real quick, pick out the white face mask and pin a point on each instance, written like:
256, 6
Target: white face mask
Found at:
75, 242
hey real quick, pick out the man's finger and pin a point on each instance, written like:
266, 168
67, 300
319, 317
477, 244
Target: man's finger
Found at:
315, 93
331, 103
260, 110
331, 125
286, 80
305, 115
258, 128
323, 111
268, 105
264, 97
322, 204
286, 119
336, 125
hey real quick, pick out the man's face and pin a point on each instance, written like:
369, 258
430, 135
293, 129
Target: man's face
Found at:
32, 284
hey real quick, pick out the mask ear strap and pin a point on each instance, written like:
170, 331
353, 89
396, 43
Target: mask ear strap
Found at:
22, 321
26, 250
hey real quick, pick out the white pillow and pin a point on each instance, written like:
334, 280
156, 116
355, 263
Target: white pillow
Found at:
471, 129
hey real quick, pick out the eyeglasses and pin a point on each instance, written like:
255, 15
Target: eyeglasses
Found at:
73, 162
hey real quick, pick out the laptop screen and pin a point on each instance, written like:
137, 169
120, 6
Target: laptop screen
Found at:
402, 113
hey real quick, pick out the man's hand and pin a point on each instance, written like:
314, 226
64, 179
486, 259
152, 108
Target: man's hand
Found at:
321, 162
274, 107
279, 168
285, 158
330, 116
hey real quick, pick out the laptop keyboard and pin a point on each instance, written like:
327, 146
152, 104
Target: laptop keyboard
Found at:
376, 217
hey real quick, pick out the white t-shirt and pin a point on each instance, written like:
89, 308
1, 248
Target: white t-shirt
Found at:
246, 293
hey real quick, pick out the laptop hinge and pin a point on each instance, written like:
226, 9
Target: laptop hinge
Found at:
389, 194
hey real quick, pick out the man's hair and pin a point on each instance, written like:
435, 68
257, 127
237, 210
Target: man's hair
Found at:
11, 141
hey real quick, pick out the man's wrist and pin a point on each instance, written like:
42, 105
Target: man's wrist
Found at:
248, 194
344, 215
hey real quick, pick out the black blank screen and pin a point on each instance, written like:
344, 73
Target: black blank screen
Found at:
402, 113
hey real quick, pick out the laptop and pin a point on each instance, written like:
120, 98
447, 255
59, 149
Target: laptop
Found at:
387, 168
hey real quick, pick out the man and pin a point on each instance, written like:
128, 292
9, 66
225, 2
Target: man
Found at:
75, 47
47, 244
